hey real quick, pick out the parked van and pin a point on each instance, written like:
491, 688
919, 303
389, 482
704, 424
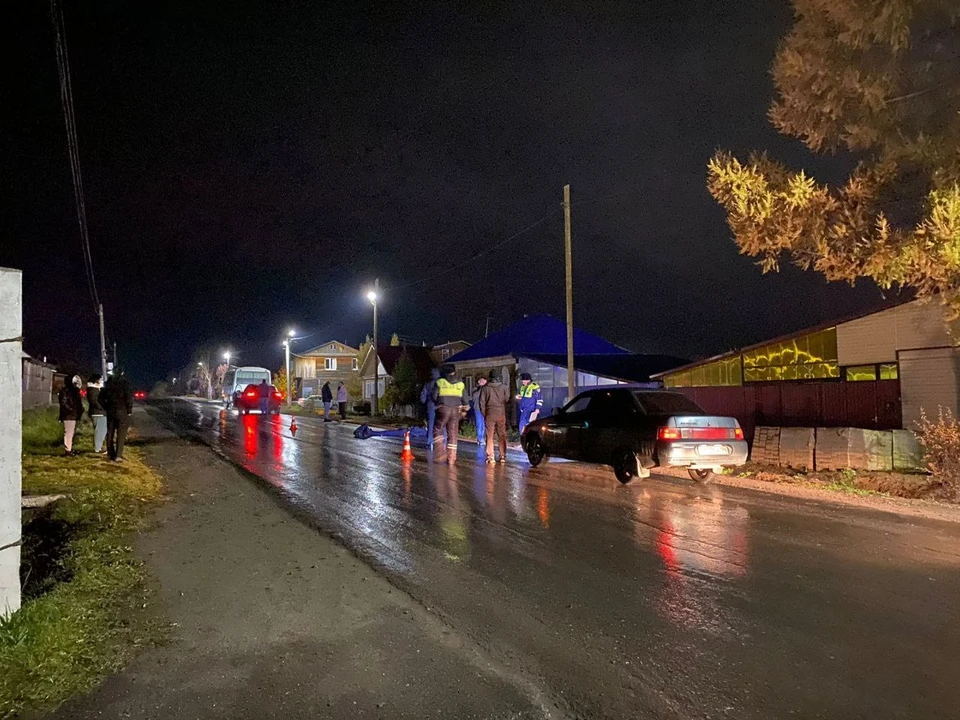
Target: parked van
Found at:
238, 378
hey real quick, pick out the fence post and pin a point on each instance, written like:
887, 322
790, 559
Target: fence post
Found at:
11, 411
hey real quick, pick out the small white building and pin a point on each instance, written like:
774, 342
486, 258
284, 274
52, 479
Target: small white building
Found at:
37, 382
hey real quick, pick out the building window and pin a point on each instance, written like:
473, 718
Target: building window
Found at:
444, 354
329, 363
860, 373
889, 371
356, 364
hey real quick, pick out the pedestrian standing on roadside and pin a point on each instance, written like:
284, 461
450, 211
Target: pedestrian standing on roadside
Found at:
342, 400
529, 400
71, 411
117, 401
478, 419
326, 394
426, 398
97, 414
494, 397
451, 399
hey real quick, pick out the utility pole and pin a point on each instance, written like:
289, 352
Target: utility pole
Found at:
103, 344
114, 354
375, 299
486, 332
286, 345
571, 370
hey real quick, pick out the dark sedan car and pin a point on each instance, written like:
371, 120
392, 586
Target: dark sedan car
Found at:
634, 430
249, 400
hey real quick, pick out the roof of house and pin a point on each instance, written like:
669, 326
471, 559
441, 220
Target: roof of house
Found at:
536, 334
889, 305
390, 355
630, 367
329, 348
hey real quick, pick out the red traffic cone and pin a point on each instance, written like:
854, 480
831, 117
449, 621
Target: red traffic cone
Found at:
407, 453
293, 425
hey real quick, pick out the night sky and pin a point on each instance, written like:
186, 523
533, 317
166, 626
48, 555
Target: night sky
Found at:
251, 166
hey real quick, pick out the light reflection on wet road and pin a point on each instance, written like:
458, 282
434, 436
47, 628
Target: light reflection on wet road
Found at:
661, 599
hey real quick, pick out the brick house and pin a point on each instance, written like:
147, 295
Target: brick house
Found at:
331, 362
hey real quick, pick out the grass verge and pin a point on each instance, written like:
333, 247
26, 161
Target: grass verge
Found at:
86, 600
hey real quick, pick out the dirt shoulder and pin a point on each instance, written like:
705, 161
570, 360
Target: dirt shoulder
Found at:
274, 620
865, 491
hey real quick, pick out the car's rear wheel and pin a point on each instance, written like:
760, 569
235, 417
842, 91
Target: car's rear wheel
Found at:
625, 466
701, 476
536, 453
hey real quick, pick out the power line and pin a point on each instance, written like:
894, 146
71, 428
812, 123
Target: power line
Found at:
73, 151
478, 255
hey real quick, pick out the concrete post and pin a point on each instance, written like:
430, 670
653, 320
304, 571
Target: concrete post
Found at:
11, 410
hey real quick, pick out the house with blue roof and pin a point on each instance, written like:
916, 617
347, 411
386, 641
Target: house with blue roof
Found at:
537, 344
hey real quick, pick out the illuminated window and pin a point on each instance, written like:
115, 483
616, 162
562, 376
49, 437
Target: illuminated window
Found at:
356, 364
889, 371
725, 372
859, 373
329, 363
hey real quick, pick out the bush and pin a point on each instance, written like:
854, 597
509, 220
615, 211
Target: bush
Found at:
940, 439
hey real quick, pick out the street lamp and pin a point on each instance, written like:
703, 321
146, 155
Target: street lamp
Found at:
286, 345
374, 297
226, 357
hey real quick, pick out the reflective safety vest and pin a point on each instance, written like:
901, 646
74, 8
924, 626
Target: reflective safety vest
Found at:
449, 389
530, 397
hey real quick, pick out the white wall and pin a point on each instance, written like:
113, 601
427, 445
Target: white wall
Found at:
11, 411
929, 380
877, 338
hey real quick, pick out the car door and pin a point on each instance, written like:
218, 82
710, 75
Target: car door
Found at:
562, 436
611, 424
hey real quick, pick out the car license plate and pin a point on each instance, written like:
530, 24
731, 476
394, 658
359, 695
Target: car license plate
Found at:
713, 449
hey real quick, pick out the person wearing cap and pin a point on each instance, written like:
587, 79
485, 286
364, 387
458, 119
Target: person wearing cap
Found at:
492, 405
529, 400
478, 419
451, 398
426, 398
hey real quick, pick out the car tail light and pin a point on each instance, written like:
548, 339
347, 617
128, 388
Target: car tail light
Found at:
278, 396
250, 394
700, 433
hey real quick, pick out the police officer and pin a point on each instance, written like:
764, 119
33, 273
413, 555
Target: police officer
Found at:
426, 398
451, 398
529, 400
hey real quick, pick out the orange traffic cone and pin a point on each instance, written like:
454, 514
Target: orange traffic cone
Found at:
407, 453
293, 425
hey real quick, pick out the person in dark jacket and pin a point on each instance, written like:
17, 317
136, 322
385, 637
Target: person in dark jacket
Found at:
71, 411
263, 392
494, 397
426, 398
97, 414
326, 394
117, 401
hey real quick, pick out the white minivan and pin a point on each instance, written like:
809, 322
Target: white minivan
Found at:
238, 378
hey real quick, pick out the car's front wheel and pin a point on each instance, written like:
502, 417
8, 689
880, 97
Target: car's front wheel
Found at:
701, 476
536, 453
625, 466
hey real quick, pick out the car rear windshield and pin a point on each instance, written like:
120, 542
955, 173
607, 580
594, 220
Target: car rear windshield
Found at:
667, 404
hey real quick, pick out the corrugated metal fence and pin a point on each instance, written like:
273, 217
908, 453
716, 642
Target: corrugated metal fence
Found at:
873, 405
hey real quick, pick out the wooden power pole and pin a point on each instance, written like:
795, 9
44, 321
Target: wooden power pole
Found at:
571, 369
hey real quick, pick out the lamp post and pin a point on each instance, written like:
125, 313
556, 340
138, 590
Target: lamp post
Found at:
374, 297
286, 345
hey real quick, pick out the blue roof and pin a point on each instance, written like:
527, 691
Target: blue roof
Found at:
537, 334
630, 368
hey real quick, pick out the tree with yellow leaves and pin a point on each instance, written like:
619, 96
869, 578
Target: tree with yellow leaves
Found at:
879, 78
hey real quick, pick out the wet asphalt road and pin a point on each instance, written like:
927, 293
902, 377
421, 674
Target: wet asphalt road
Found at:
663, 599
